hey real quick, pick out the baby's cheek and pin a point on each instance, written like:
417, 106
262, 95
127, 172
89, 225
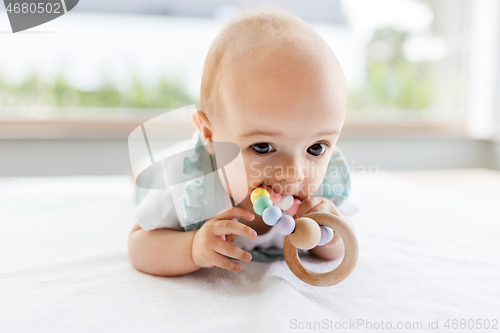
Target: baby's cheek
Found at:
252, 176
254, 182
311, 187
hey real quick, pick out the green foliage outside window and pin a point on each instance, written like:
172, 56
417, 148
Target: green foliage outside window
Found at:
35, 92
392, 81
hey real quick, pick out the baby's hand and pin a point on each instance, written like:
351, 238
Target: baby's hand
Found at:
320, 204
213, 241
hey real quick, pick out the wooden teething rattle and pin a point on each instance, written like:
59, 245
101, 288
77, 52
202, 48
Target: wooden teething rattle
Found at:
305, 233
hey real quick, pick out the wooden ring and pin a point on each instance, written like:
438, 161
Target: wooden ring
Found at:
338, 274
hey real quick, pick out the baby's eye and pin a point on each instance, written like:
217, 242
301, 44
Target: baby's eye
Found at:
317, 149
262, 148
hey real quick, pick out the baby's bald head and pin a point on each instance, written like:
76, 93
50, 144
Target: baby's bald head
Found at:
281, 46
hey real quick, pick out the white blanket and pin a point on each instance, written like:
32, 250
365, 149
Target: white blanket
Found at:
429, 250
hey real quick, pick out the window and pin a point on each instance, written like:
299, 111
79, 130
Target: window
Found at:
405, 60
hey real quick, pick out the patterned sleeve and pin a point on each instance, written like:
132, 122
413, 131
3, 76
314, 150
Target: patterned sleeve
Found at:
336, 185
155, 208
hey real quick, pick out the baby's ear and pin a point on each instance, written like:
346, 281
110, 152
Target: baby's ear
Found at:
204, 127
196, 120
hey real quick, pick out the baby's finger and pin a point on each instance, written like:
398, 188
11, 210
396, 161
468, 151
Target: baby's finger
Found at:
225, 227
231, 238
235, 212
307, 205
224, 262
325, 207
231, 250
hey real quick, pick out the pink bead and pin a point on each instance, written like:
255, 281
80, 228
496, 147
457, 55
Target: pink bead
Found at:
295, 207
285, 225
276, 198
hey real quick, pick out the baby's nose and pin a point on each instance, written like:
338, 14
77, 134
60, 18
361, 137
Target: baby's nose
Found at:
290, 172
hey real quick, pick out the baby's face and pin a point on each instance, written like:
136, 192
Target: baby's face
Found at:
286, 115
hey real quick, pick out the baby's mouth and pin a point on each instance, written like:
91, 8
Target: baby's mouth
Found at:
277, 191
282, 200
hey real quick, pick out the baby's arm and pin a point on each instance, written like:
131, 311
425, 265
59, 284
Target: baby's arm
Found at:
164, 252
169, 252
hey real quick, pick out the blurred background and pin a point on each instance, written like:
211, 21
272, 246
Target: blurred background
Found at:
423, 77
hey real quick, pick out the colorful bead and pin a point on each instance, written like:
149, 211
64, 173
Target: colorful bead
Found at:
271, 215
276, 198
261, 203
286, 225
285, 203
326, 235
307, 233
259, 192
295, 207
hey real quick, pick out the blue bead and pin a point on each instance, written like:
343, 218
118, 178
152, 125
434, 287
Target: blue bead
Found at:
326, 235
330, 234
271, 215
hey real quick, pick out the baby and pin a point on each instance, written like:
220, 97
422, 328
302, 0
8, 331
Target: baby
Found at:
272, 86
